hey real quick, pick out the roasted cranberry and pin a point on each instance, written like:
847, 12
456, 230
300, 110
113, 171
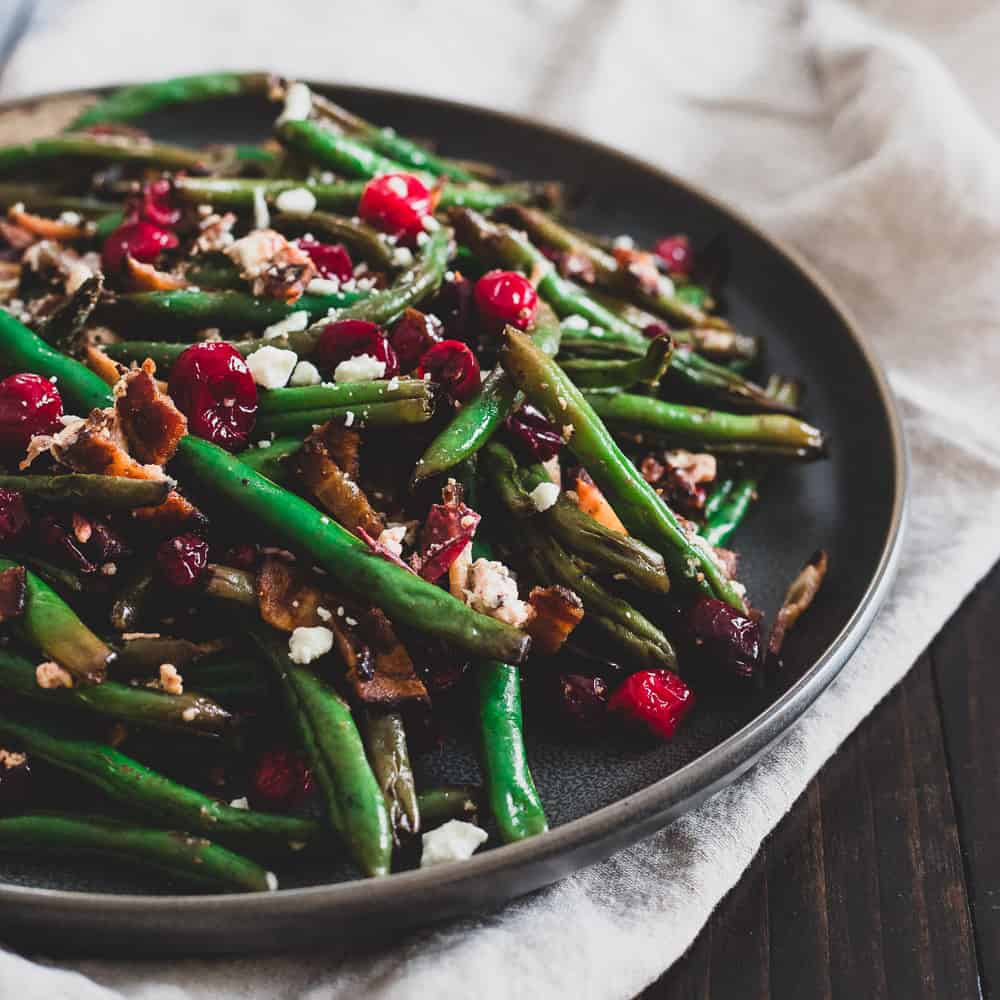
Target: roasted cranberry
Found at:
182, 560
156, 206
726, 641
137, 238
13, 514
397, 204
242, 555
15, 781
29, 405
676, 253
453, 365
506, 297
280, 781
658, 699
658, 328
352, 338
58, 537
414, 335
331, 259
535, 432
213, 387
453, 306
583, 699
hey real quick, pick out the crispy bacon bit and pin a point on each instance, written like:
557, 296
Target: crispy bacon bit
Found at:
146, 278
678, 477
449, 528
50, 675
277, 268
47, 229
640, 267
152, 425
592, 501
48, 257
175, 512
12, 585
286, 598
394, 679
799, 596
97, 361
170, 681
557, 612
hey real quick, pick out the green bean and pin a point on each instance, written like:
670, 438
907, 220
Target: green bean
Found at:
318, 144
60, 577
647, 370
184, 713
230, 584
397, 413
438, 805
216, 272
51, 625
719, 528
63, 327
132, 599
148, 793
94, 492
45, 198
269, 460
164, 354
715, 499
332, 395
385, 738
193, 859
633, 499
360, 238
113, 149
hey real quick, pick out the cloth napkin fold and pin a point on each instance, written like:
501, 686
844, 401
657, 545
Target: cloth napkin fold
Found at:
837, 129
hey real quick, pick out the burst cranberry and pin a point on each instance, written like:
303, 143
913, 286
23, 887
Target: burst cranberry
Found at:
351, 338
676, 253
658, 699
15, 782
156, 206
331, 259
535, 432
13, 514
397, 204
453, 365
29, 405
453, 306
182, 560
213, 387
583, 699
506, 297
658, 328
143, 240
726, 641
414, 335
280, 781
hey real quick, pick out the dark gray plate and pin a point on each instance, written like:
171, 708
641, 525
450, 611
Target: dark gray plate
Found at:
600, 795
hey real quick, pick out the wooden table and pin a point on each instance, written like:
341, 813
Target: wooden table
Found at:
884, 879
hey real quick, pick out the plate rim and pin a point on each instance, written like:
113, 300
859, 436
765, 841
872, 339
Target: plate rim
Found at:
642, 812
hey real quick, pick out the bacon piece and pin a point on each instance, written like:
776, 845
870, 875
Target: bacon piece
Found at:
12, 589
152, 425
97, 361
640, 266
800, 595
557, 612
147, 278
287, 600
277, 268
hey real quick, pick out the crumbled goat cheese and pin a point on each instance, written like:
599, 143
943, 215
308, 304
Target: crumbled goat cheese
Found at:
624, 243
189, 714
575, 322
272, 881
454, 841
306, 373
492, 591
261, 216
323, 286
308, 644
242, 803
50, 675
296, 201
71, 218
324, 614
430, 223
298, 104
349, 418
553, 470
271, 366
109, 568
292, 323
402, 257
392, 538
544, 495
363, 368
170, 680
9, 759
393, 384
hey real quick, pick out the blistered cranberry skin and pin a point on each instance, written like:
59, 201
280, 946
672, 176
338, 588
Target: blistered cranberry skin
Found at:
676, 254
29, 405
726, 641
657, 699
534, 432
351, 338
15, 785
397, 204
584, 700
213, 387
181, 561
454, 367
331, 259
281, 780
413, 336
156, 204
506, 297
137, 238
13, 514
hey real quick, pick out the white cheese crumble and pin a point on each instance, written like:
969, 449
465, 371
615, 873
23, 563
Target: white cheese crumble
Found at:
296, 201
454, 841
492, 590
392, 538
624, 243
242, 803
363, 368
261, 216
323, 286
271, 366
306, 373
349, 418
308, 644
324, 614
402, 257
575, 322
298, 104
544, 495
170, 680
272, 881
292, 323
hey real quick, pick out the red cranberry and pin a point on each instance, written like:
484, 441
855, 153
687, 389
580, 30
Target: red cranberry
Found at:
452, 364
182, 560
658, 699
331, 259
156, 206
350, 338
143, 240
583, 699
242, 555
535, 432
29, 405
506, 297
15, 782
453, 306
676, 253
13, 514
659, 328
397, 204
414, 335
213, 387
726, 640
280, 781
